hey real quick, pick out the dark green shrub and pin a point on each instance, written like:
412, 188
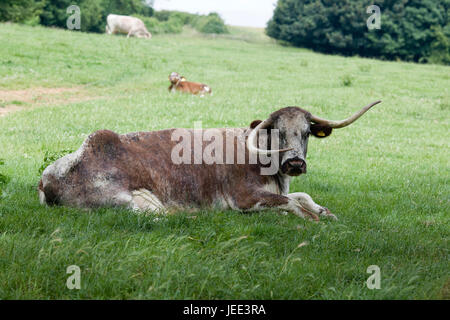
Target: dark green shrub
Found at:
162, 15
125, 7
440, 47
92, 17
54, 13
155, 26
210, 24
26, 11
347, 80
4, 180
412, 30
183, 17
173, 22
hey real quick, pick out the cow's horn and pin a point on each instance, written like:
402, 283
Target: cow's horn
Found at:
251, 141
346, 122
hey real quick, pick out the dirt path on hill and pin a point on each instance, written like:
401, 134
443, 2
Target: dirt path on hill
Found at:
16, 100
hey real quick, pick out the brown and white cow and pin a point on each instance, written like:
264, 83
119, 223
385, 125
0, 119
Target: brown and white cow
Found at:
137, 170
179, 83
130, 26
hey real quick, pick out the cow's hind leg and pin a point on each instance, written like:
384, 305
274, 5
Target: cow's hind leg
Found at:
132, 33
307, 203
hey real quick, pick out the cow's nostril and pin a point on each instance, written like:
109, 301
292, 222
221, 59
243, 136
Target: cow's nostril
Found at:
296, 165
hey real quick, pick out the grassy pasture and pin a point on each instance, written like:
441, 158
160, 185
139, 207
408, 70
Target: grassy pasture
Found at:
386, 177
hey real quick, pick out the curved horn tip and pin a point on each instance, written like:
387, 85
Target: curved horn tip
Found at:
376, 102
372, 104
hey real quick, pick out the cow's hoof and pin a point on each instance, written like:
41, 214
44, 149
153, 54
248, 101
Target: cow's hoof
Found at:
327, 213
332, 216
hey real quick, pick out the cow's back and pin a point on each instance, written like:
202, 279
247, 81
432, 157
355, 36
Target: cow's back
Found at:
123, 24
199, 184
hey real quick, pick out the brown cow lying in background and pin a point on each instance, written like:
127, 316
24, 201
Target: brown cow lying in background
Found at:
181, 84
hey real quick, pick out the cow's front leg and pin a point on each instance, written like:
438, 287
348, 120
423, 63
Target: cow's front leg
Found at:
308, 204
266, 200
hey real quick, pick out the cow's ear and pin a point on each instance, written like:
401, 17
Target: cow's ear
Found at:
254, 124
320, 131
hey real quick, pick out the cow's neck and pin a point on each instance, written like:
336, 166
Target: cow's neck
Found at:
179, 81
283, 182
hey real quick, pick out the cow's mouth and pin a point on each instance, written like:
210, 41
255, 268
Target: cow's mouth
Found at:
294, 167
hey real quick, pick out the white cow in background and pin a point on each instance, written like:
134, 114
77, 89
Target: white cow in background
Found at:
130, 26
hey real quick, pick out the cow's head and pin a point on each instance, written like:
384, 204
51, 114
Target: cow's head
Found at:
144, 34
175, 78
294, 126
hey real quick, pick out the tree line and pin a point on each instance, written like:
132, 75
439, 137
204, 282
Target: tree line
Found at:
411, 30
94, 13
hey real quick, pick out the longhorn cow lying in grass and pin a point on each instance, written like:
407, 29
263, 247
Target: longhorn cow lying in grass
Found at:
143, 171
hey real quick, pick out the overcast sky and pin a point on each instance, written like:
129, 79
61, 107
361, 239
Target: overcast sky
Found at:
252, 13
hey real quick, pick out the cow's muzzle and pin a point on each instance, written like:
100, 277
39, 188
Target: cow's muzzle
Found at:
294, 166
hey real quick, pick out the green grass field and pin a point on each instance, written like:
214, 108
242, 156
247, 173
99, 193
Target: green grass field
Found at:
386, 177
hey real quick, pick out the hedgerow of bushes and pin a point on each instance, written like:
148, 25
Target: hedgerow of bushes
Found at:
94, 13
54, 12
173, 22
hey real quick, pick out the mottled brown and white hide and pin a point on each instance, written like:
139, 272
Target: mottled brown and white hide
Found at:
137, 171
